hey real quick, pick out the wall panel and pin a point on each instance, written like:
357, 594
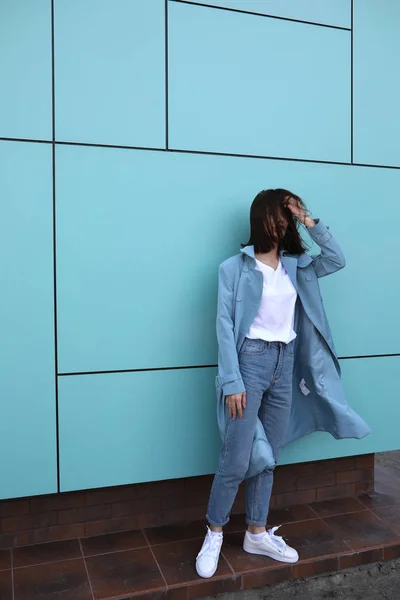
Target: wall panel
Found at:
376, 82
141, 234
27, 387
110, 72
245, 84
25, 69
371, 389
132, 427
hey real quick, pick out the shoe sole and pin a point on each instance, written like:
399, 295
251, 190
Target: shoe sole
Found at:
203, 576
270, 555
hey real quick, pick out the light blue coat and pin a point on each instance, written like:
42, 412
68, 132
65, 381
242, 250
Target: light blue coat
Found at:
319, 403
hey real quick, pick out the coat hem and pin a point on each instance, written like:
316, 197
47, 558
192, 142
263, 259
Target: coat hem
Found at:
335, 435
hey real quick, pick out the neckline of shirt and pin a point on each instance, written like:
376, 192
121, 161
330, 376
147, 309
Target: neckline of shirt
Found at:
278, 268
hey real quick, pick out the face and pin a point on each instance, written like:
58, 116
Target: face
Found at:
281, 224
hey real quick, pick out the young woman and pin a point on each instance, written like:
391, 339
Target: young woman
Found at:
278, 374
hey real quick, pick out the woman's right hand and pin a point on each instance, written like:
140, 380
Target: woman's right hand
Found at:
236, 403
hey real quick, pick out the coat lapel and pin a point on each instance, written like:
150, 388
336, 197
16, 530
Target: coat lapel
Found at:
290, 264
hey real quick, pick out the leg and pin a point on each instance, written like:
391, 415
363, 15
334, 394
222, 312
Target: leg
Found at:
274, 414
235, 455
234, 460
239, 435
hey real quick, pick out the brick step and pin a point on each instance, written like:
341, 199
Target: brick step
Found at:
93, 512
158, 562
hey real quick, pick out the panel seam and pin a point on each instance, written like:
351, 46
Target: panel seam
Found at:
53, 126
352, 86
166, 77
186, 367
202, 153
256, 14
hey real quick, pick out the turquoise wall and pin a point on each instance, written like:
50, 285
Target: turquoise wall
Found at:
133, 136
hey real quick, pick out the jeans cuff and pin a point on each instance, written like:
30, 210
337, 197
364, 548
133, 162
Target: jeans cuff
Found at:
212, 522
255, 523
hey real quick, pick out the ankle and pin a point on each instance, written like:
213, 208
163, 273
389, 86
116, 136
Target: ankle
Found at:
255, 530
215, 529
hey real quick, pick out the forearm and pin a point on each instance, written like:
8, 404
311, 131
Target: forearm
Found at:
331, 258
228, 362
229, 374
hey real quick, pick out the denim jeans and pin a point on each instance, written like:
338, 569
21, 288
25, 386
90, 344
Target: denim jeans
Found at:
267, 369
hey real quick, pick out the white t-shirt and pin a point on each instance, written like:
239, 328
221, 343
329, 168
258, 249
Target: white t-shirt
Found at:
274, 320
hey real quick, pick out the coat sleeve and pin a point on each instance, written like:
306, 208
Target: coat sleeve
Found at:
229, 376
331, 258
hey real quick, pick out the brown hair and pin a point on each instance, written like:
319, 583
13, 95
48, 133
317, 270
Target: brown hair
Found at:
266, 231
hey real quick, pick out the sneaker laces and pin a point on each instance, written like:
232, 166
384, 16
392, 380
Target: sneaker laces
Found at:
211, 543
276, 539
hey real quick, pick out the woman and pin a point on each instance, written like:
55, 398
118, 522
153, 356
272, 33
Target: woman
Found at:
278, 374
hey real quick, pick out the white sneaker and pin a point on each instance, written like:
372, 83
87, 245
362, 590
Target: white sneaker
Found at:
271, 545
207, 559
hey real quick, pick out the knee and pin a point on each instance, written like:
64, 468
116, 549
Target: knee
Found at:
234, 470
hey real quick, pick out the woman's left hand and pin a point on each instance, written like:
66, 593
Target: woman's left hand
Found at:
300, 213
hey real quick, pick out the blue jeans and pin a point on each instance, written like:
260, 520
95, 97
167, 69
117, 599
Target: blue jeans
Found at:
267, 370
